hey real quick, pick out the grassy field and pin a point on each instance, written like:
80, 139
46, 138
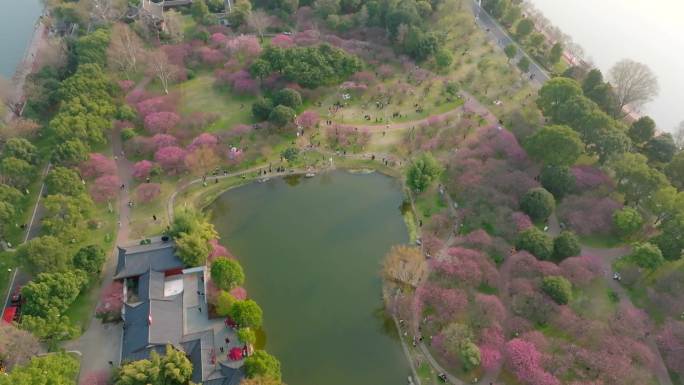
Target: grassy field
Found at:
200, 95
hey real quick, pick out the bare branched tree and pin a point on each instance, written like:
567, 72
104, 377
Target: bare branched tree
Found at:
105, 11
8, 96
160, 67
257, 21
678, 135
173, 22
125, 50
634, 83
405, 265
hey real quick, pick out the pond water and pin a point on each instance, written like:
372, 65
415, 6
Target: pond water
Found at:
17, 21
311, 250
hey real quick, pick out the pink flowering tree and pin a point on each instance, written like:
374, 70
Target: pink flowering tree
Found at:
163, 140
244, 48
166, 103
210, 56
442, 304
588, 215
203, 140
143, 169
161, 122
218, 250
171, 159
525, 362
147, 192
240, 293
105, 188
308, 119
97, 165
218, 38
671, 343
282, 41
111, 302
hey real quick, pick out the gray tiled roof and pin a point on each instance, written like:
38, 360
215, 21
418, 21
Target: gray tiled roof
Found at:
136, 260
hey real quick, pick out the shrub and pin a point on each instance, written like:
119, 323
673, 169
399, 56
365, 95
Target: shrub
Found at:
224, 302
227, 273
558, 180
470, 355
558, 288
538, 203
566, 245
627, 221
647, 255
536, 242
281, 116
247, 314
288, 97
422, 172
128, 133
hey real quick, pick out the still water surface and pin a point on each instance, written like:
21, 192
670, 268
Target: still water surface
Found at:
648, 31
311, 250
17, 20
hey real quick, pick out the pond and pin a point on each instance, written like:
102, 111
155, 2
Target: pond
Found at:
311, 250
17, 22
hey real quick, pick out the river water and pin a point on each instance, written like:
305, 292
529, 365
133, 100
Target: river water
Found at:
311, 250
647, 31
17, 21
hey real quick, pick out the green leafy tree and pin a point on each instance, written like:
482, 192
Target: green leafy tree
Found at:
66, 216
647, 255
192, 249
224, 302
70, 152
247, 314
260, 69
635, 178
173, 368
241, 11
246, 335
675, 170
199, 11
627, 221
558, 288
511, 51
566, 245
46, 253
20, 148
290, 153
52, 291
325, 8
536, 242
262, 364
444, 58
556, 145
642, 130
422, 172
558, 180
538, 203
469, 355
261, 108
281, 116
91, 48
8, 214
524, 28
671, 239
51, 329
661, 148
555, 53
524, 64
65, 181
189, 221
89, 259
52, 369
16, 172
227, 273
288, 97
554, 95
609, 141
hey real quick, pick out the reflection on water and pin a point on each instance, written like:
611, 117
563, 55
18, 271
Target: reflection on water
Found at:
311, 249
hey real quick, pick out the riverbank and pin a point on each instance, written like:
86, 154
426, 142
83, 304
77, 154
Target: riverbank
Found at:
28, 65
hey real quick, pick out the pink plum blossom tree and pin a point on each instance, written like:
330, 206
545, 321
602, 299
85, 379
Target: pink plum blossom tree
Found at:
282, 41
105, 188
142, 169
171, 159
97, 165
161, 122
203, 140
308, 119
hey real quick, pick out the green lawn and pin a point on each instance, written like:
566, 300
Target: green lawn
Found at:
8, 264
200, 95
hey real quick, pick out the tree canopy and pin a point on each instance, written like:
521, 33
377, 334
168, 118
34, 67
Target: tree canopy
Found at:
227, 273
422, 172
555, 145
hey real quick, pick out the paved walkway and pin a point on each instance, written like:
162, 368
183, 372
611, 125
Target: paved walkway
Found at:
101, 342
